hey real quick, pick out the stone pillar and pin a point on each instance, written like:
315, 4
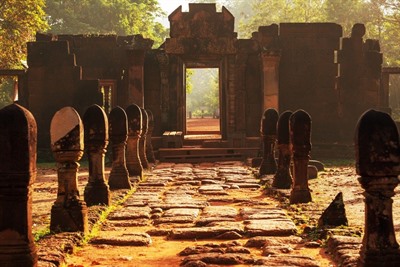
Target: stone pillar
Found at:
300, 134
377, 162
18, 134
68, 213
149, 146
283, 178
136, 70
133, 163
270, 63
268, 135
119, 176
96, 140
143, 138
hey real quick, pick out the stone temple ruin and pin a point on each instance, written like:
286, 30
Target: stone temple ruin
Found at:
289, 66
130, 95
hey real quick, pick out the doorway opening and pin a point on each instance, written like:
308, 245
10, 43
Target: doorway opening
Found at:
203, 103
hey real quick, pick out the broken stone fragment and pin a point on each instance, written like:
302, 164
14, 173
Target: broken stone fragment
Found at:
335, 214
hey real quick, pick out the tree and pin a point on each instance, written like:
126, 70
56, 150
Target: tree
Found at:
123, 17
19, 21
277, 11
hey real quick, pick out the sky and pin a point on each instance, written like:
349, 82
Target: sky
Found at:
169, 6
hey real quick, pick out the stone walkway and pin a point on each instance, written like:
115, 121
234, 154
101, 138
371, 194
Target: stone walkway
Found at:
209, 214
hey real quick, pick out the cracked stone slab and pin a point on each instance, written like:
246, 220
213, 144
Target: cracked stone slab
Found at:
204, 232
219, 258
231, 247
182, 212
130, 213
262, 213
261, 241
204, 221
127, 223
287, 260
133, 239
345, 249
271, 227
213, 189
153, 184
220, 211
174, 220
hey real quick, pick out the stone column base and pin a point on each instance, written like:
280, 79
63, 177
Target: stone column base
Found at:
300, 196
119, 179
386, 257
282, 180
19, 255
69, 218
97, 194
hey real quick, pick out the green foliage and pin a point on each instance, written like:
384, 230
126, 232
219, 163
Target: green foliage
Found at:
123, 17
6, 92
19, 21
203, 97
381, 18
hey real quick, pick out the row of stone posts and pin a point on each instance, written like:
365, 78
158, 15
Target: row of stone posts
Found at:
377, 162
291, 131
69, 136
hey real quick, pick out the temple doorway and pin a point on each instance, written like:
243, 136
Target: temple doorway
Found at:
203, 103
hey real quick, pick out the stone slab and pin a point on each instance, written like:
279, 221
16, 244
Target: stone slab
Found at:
174, 220
219, 211
131, 213
272, 227
204, 221
181, 212
261, 241
192, 233
261, 213
219, 258
132, 239
127, 223
287, 260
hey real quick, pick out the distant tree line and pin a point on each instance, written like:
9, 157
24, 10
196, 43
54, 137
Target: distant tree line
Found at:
20, 20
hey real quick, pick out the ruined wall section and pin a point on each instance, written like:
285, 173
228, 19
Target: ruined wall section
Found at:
359, 79
66, 70
307, 74
53, 78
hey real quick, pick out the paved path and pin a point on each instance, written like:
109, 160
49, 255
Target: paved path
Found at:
209, 214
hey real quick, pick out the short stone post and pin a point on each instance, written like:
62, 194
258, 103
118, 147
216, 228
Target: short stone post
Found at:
300, 134
96, 140
68, 212
268, 134
149, 146
133, 163
377, 162
119, 176
17, 173
283, 178
142, 140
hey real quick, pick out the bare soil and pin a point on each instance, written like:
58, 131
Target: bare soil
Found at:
333, 180
202, 125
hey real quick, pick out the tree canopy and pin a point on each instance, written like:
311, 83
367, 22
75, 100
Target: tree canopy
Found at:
19, 21
121, 17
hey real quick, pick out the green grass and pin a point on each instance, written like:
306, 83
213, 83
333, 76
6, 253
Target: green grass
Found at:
103, 216
41, 233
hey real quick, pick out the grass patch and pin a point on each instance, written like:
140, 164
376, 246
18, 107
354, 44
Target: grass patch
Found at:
41, 233
96, 228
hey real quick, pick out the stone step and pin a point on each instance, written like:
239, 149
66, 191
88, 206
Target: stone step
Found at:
196, 155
